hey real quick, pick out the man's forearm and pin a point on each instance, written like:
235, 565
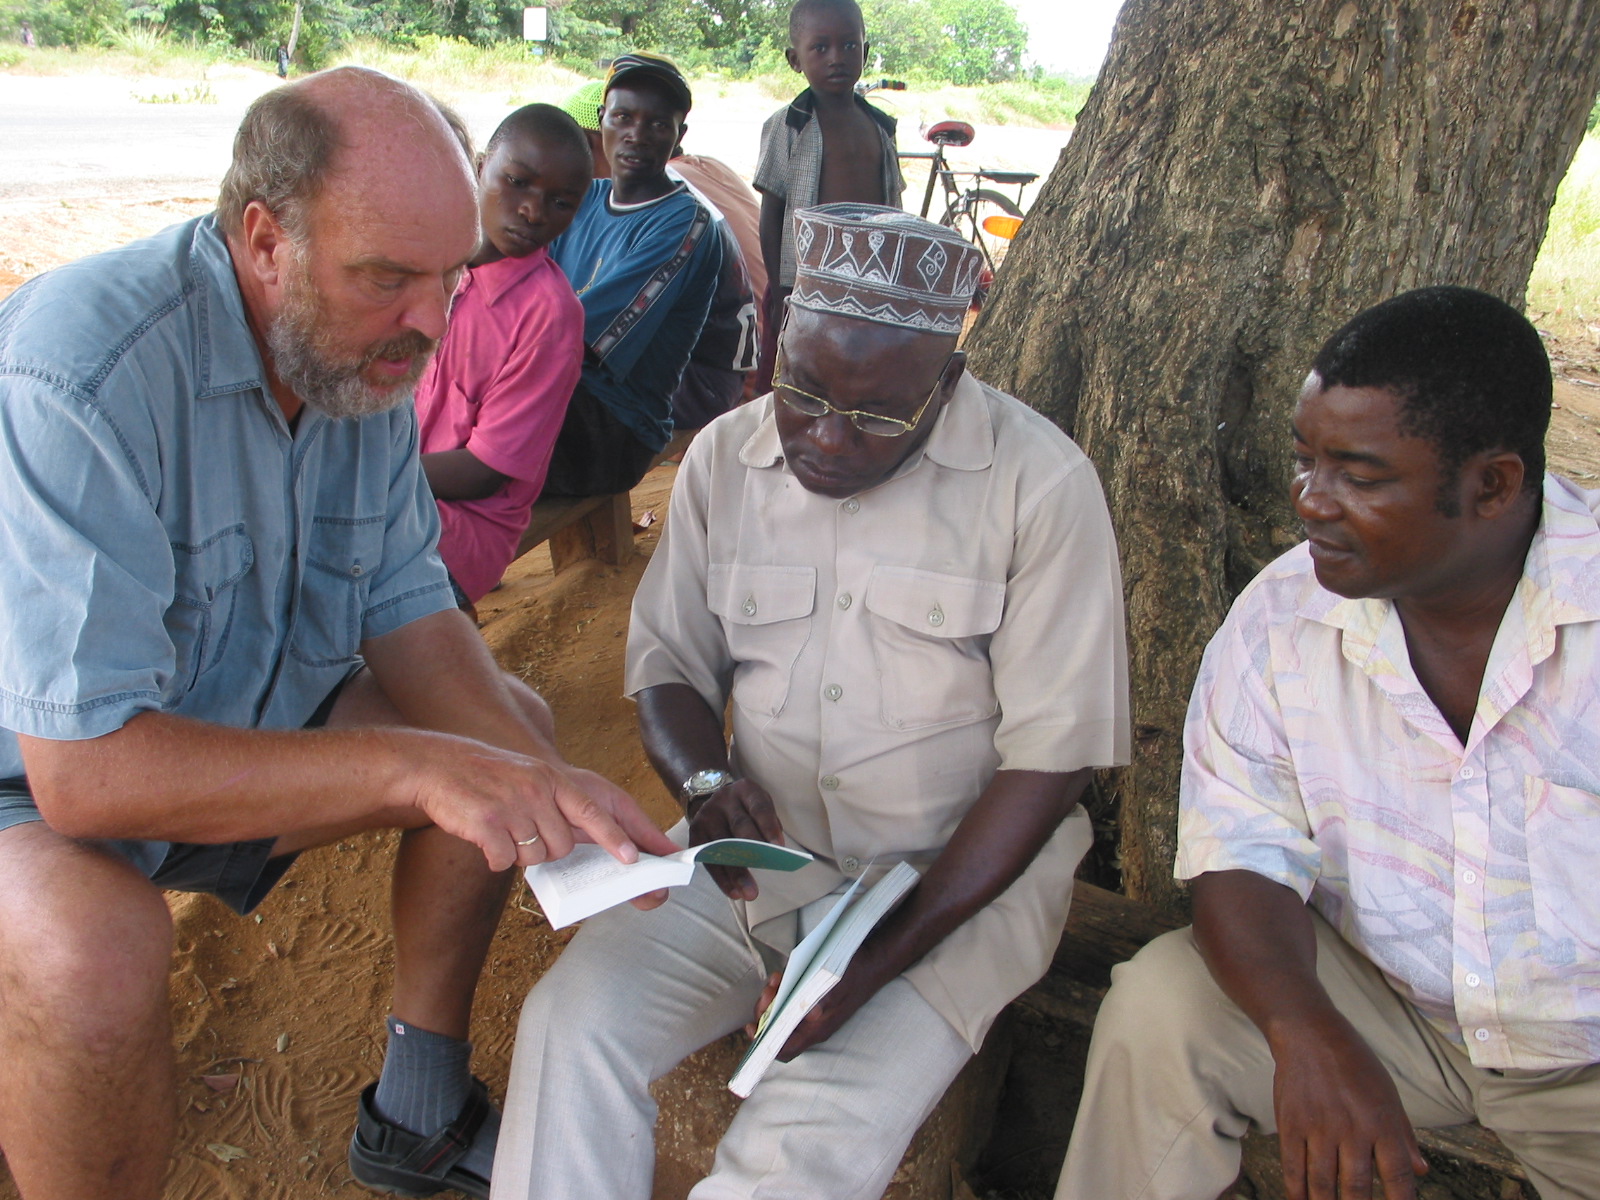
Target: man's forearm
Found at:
994, 844
681, 734
1257, 940
167, 778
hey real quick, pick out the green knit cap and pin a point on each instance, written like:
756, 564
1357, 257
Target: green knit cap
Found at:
583, 106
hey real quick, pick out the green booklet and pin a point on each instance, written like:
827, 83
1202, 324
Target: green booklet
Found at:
816, 965
589, 880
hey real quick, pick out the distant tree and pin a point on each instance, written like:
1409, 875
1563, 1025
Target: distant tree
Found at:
984, 40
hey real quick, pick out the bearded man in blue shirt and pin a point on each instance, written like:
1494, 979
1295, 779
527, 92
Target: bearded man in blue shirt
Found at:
226, 637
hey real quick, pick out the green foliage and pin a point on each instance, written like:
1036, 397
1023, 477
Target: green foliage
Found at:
1564, 287
959, 41
1048, 101
986, 40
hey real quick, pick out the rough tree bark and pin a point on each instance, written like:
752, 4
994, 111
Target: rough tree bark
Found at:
1245, 176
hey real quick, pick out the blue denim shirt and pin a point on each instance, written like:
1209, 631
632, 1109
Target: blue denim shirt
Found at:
167, 542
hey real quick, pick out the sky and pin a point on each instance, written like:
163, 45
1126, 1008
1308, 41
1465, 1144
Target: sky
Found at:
1068, 35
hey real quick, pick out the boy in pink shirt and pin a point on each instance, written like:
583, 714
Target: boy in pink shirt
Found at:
491, 403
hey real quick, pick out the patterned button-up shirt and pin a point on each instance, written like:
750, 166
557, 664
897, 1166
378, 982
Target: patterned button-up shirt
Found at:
1465, 872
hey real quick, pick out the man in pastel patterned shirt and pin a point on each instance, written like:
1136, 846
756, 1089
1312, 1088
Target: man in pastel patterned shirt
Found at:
1390, 807
225, 638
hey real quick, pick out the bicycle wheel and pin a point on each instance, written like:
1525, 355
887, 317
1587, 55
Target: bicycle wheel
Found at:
966, 216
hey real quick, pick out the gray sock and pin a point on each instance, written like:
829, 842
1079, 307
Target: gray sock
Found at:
425, 1081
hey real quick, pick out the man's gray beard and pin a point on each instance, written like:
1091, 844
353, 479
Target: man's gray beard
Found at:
297, 337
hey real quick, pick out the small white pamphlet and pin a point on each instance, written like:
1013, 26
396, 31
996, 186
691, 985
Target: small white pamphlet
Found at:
589, 880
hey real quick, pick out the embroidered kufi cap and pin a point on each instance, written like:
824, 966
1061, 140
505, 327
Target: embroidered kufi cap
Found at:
885, 265
583, 106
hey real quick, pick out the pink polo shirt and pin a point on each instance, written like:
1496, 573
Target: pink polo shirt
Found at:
499, 386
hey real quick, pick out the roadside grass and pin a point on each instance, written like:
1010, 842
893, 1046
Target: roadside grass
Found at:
133, 52
1564, 288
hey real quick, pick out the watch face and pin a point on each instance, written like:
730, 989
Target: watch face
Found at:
704, 782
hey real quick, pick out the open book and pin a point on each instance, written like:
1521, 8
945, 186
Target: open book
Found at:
815, 966
589, 880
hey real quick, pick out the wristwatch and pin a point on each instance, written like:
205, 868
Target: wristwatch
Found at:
700, 785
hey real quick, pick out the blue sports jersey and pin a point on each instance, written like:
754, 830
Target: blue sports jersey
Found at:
646, 274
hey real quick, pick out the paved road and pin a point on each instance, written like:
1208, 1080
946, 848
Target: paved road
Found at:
89, 135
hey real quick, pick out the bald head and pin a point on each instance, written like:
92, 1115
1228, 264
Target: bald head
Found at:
354, 130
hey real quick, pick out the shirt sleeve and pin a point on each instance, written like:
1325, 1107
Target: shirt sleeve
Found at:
673, 636
772, 168
1059, 656
411, 581
1239, 802
89, 574
521, 409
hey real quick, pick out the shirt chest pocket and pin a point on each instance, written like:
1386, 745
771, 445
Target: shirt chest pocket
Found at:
341, 555
205, 583
930, 642
1563, 839
766, 617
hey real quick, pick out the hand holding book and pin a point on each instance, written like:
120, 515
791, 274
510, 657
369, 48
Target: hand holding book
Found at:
741, 809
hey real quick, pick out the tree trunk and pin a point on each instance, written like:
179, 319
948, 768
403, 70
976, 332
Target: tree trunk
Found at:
1246, 175
294, 30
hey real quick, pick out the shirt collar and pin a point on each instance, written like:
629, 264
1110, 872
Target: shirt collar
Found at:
501, 276
229, 358
804, 107
1560, 582
962, 437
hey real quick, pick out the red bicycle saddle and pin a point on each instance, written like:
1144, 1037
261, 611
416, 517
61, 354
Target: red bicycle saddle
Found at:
950, 133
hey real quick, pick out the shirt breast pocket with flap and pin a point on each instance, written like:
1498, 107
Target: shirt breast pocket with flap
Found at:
205, 583
766, 617
930, 642
341, 556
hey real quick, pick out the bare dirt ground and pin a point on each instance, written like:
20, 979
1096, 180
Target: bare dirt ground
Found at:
278, 1018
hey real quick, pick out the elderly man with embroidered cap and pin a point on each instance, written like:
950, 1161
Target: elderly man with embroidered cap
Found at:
905, 586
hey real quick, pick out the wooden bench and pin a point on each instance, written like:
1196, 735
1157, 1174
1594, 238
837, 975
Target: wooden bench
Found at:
591, 527
580, 527
1104, 928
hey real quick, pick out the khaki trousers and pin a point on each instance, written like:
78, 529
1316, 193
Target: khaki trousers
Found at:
634, 993
1177, 1074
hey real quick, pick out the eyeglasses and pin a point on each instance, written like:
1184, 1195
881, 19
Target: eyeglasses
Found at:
871, 423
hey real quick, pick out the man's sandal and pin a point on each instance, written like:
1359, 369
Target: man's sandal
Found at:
387, 1158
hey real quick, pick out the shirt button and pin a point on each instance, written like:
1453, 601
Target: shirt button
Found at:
1481, 1034
936, 617
749, 606
852, 865
833, 691
1472, 979
852, 505
830, 783
356, 570
844, 600
1469, 876
1466, 772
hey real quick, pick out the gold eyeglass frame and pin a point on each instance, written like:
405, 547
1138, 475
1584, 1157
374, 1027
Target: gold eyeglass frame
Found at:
854, 415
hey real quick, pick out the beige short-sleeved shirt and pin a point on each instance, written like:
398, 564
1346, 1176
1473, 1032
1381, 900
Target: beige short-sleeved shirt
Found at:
886, 654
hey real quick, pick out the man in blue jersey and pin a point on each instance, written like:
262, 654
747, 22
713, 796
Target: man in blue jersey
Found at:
644, 255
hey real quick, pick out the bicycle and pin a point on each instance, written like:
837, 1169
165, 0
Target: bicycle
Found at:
975, 211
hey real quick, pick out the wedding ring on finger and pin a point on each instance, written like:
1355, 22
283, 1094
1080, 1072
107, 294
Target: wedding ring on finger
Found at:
529, 841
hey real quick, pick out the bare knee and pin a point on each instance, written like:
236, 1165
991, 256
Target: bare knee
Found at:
84, 957
532, 705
